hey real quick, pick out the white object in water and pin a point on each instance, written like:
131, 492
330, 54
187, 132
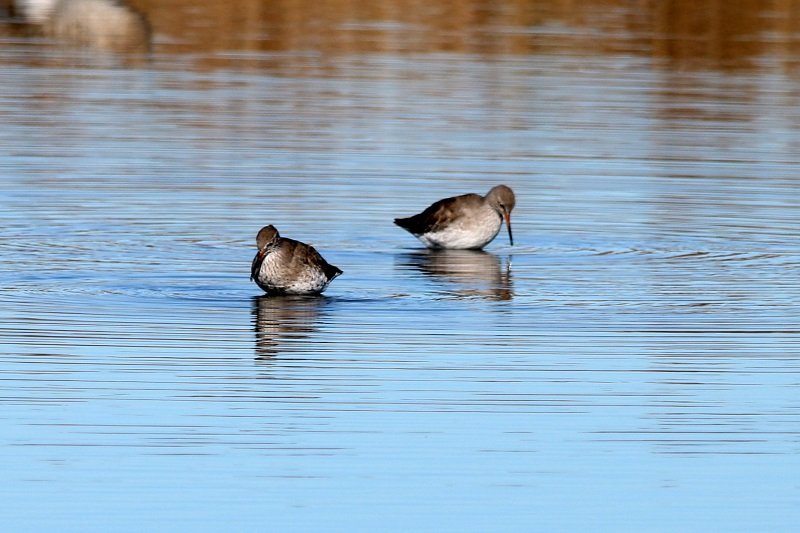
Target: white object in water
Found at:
36, 11
94, 23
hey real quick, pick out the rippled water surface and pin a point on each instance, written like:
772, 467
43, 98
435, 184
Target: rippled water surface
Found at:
631, 363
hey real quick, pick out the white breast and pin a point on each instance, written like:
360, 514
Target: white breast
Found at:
466, 233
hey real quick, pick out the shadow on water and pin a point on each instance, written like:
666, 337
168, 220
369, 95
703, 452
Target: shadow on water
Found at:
476, 273
279, 320
108, 25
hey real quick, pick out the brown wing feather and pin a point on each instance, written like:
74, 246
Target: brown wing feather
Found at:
305, 254
438, 215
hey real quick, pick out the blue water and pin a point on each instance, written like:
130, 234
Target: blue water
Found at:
630, 364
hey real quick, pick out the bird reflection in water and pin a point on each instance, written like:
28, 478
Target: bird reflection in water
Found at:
478, 273
99, 24
281, 320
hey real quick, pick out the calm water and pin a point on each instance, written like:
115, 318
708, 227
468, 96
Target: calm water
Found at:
630, 364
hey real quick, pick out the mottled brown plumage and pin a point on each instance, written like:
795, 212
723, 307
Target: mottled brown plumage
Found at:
439, 214
286, 266
466, 221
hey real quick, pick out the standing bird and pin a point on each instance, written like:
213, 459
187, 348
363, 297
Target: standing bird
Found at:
469, 221
286, 266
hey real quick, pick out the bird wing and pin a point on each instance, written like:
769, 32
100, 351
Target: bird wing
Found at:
303, 253
438, 215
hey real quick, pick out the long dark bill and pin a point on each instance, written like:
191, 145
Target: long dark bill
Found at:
256, 265
508, 226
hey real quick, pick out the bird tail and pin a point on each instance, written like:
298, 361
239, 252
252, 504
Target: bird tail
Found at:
332, 272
